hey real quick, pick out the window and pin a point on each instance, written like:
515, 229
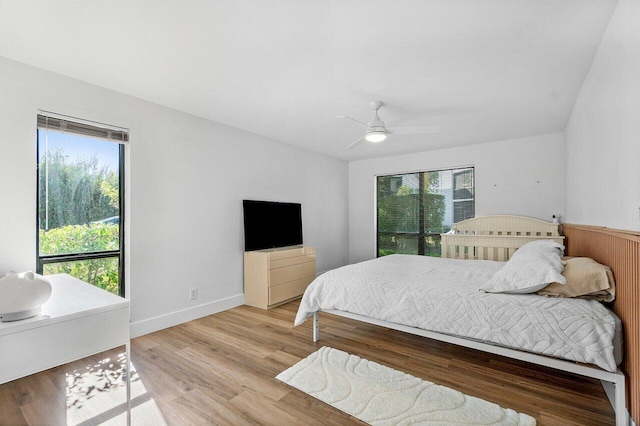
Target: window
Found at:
80, 201
413, 209
464, 206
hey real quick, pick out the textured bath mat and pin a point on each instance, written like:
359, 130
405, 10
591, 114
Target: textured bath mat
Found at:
380, 395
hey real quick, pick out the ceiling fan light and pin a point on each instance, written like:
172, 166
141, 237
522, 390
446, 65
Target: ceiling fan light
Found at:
376, 136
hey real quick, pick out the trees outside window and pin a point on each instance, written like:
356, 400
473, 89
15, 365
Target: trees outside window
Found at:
413, 209
80, 201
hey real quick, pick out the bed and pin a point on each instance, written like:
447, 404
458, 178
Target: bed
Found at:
440, 298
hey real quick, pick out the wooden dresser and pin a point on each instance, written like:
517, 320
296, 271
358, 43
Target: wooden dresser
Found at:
275, 276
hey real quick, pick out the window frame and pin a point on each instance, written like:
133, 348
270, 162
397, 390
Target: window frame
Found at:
42, 260
420, 174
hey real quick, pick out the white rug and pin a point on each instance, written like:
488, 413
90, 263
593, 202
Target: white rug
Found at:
380, 395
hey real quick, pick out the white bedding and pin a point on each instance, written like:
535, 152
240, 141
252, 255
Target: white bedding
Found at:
443, 295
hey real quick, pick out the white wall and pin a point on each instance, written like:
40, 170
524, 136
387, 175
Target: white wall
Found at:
603, 133
186, 177
521, 176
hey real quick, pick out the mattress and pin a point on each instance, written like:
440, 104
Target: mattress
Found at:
442, 295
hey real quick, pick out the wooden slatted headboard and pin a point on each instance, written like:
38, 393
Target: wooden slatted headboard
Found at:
498, 237
620, 250
495, 237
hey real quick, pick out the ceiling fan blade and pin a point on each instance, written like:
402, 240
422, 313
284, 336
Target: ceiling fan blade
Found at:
352, 119
356, 142
413, 130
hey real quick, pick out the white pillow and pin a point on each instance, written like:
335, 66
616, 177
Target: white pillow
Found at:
531, 268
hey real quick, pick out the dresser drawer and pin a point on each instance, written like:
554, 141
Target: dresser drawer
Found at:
290, 273
291, 252
289, 290
288, 261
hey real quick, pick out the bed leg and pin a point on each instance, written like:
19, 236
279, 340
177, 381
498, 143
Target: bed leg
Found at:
316, 327
622, 418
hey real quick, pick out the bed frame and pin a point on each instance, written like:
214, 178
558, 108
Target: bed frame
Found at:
620, 250
497, 238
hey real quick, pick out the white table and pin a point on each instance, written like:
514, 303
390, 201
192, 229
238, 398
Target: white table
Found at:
78, 320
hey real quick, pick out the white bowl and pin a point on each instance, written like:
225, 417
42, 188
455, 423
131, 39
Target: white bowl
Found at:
22, 295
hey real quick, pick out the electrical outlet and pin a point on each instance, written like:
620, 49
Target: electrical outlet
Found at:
193, 293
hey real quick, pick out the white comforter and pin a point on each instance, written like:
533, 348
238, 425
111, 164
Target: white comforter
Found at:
443, 295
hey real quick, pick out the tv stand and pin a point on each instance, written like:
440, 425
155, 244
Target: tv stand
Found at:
276, 276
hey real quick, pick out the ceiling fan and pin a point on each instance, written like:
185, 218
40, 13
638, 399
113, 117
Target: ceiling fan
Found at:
377, 132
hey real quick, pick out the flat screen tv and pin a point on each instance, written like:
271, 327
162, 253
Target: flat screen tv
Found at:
270, 224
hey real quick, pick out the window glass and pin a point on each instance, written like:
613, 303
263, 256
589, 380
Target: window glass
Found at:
102, 273
79, 203
413, 209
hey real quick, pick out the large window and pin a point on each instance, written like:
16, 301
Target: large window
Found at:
413, 209
80, 201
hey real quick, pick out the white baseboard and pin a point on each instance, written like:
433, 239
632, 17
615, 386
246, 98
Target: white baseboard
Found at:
140, 328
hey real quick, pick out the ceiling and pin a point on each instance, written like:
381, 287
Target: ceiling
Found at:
483, 70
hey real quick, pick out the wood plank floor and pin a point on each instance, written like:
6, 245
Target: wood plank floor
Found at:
220, 370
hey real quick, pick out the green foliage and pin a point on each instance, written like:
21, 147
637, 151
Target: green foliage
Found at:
75, 193
408, 244
434, 209
109, 188
405, 190
102, 273
399, 214
80, 239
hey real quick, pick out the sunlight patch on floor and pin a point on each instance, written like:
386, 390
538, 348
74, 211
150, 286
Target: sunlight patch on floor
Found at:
96, 395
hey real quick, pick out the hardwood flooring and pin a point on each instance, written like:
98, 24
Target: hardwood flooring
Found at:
220, 370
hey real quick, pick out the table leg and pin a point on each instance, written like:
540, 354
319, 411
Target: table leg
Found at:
128, 373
